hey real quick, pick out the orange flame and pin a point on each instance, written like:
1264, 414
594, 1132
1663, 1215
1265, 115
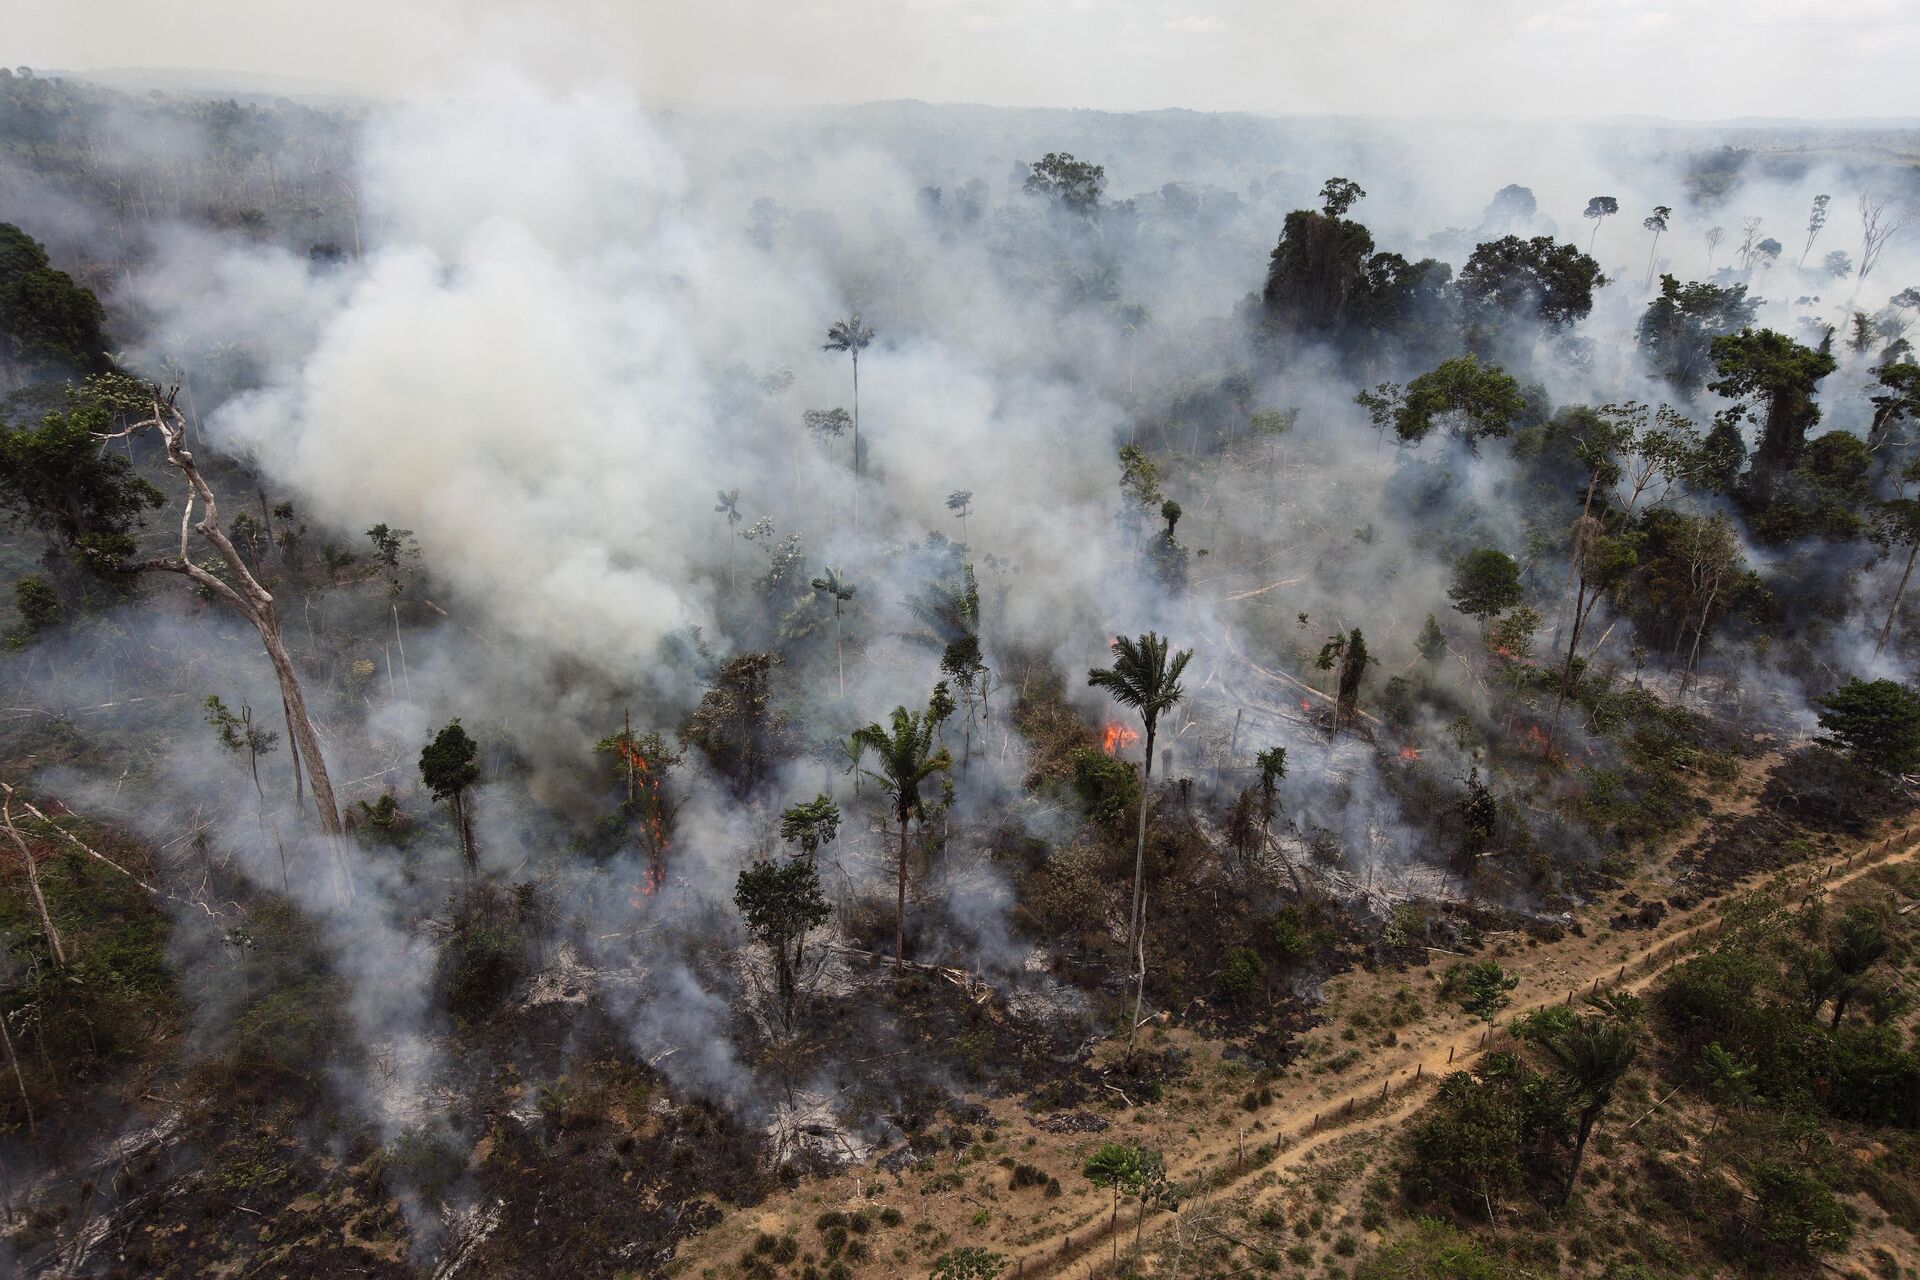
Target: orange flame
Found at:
1306, 706
1117, 737
656, 881
1409, 753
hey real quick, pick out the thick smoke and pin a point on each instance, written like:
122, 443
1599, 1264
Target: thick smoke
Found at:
569, 326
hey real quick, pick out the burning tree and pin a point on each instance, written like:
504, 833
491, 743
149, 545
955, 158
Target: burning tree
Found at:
643, 764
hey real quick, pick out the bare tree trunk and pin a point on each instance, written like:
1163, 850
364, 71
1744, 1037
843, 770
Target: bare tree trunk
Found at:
293, 753
1140, 861
33, 884
1139, 982
13, 1058
253, 602
398, 644
858, 469
900, 903
1898, 594
1693, 655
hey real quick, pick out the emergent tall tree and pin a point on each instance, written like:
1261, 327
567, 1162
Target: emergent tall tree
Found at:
907, 758
1145, 676
835, 584
143, 407
1655, 222
1599, 209
852, 337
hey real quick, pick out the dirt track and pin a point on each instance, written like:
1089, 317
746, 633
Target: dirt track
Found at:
1302, 1122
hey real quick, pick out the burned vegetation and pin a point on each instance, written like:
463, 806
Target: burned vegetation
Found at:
1141, 785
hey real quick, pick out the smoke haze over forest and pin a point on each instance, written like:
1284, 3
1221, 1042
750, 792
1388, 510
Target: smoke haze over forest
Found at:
613, 420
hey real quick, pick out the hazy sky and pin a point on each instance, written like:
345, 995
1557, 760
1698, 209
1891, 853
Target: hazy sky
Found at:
1683, 58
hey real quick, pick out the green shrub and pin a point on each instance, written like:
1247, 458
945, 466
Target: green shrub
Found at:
1240, 975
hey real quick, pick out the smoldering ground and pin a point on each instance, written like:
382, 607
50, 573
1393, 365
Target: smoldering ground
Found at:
568, 330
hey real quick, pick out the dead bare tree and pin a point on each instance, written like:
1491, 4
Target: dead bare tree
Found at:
243, 594
33, 883
1877, 226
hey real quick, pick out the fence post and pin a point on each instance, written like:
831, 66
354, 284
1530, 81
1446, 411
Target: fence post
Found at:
1449, 1055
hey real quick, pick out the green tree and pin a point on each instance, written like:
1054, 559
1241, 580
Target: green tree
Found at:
1122, 1170
1353, 666
1473, 401
1479, 818
1589, 1059
1856, 943
1485, 582
56, 480
782, 903
907, 758
1774, 379
1897, 401
1337, 195
811, 824
1483, 987
1536, 279
1655, 222
49, 325
1876, 722
827, 425
1676, 332
1074, 185
38, 605
1145, 676
968, 1263
1431, 642
960, 502
1599, 209
449, 766
1319, 263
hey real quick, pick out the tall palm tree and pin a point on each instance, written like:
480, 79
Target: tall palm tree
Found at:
907, 758
852, 337
1589, 1057
1143, 676
729, 506
835, 584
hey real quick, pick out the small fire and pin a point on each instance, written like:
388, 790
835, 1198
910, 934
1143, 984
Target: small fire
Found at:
1306, 706
1117, 737
1409, 753
656, 881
